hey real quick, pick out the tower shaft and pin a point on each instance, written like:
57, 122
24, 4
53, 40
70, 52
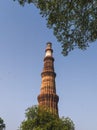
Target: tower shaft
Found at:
48, 97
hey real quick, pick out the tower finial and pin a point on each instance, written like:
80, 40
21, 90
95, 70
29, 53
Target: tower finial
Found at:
49, 45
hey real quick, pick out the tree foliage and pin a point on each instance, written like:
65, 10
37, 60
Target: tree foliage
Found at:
2, 125
41, 119
74, 22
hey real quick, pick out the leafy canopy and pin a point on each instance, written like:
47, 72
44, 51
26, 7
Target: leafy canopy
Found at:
74, 22
2, 125
41, 119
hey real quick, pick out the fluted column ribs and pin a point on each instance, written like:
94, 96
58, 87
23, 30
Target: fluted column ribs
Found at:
48, 97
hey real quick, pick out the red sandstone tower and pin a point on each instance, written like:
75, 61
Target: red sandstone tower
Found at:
48, 97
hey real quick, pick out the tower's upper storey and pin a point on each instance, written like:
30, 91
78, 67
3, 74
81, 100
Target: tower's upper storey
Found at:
49, 51
48, 60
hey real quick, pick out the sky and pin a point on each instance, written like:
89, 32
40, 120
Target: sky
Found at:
23, 38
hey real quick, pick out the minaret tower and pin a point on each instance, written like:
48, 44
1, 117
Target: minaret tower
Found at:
48, 97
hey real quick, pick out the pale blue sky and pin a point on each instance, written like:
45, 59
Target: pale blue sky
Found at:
23, 38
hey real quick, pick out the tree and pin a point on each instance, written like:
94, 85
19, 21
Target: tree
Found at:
2, 125
74, 22
41, 119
